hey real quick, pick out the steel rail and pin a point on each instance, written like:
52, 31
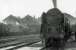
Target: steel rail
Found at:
23, 45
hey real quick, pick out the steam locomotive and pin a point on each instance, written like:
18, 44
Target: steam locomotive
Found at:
56, 28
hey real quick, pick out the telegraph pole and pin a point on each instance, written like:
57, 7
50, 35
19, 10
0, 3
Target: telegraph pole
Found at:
55, 3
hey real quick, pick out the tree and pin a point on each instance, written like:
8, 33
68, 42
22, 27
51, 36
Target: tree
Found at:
3, 30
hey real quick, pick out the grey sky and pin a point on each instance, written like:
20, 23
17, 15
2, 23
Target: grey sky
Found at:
34, 7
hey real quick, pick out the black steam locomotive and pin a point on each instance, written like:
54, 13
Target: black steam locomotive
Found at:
56, 28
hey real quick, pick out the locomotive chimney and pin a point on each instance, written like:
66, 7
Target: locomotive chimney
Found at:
55, 3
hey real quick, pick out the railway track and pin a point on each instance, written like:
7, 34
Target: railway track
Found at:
33, 45
5, 42
16, 47
14, 43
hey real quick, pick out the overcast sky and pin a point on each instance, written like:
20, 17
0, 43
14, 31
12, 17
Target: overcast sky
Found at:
34, 7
